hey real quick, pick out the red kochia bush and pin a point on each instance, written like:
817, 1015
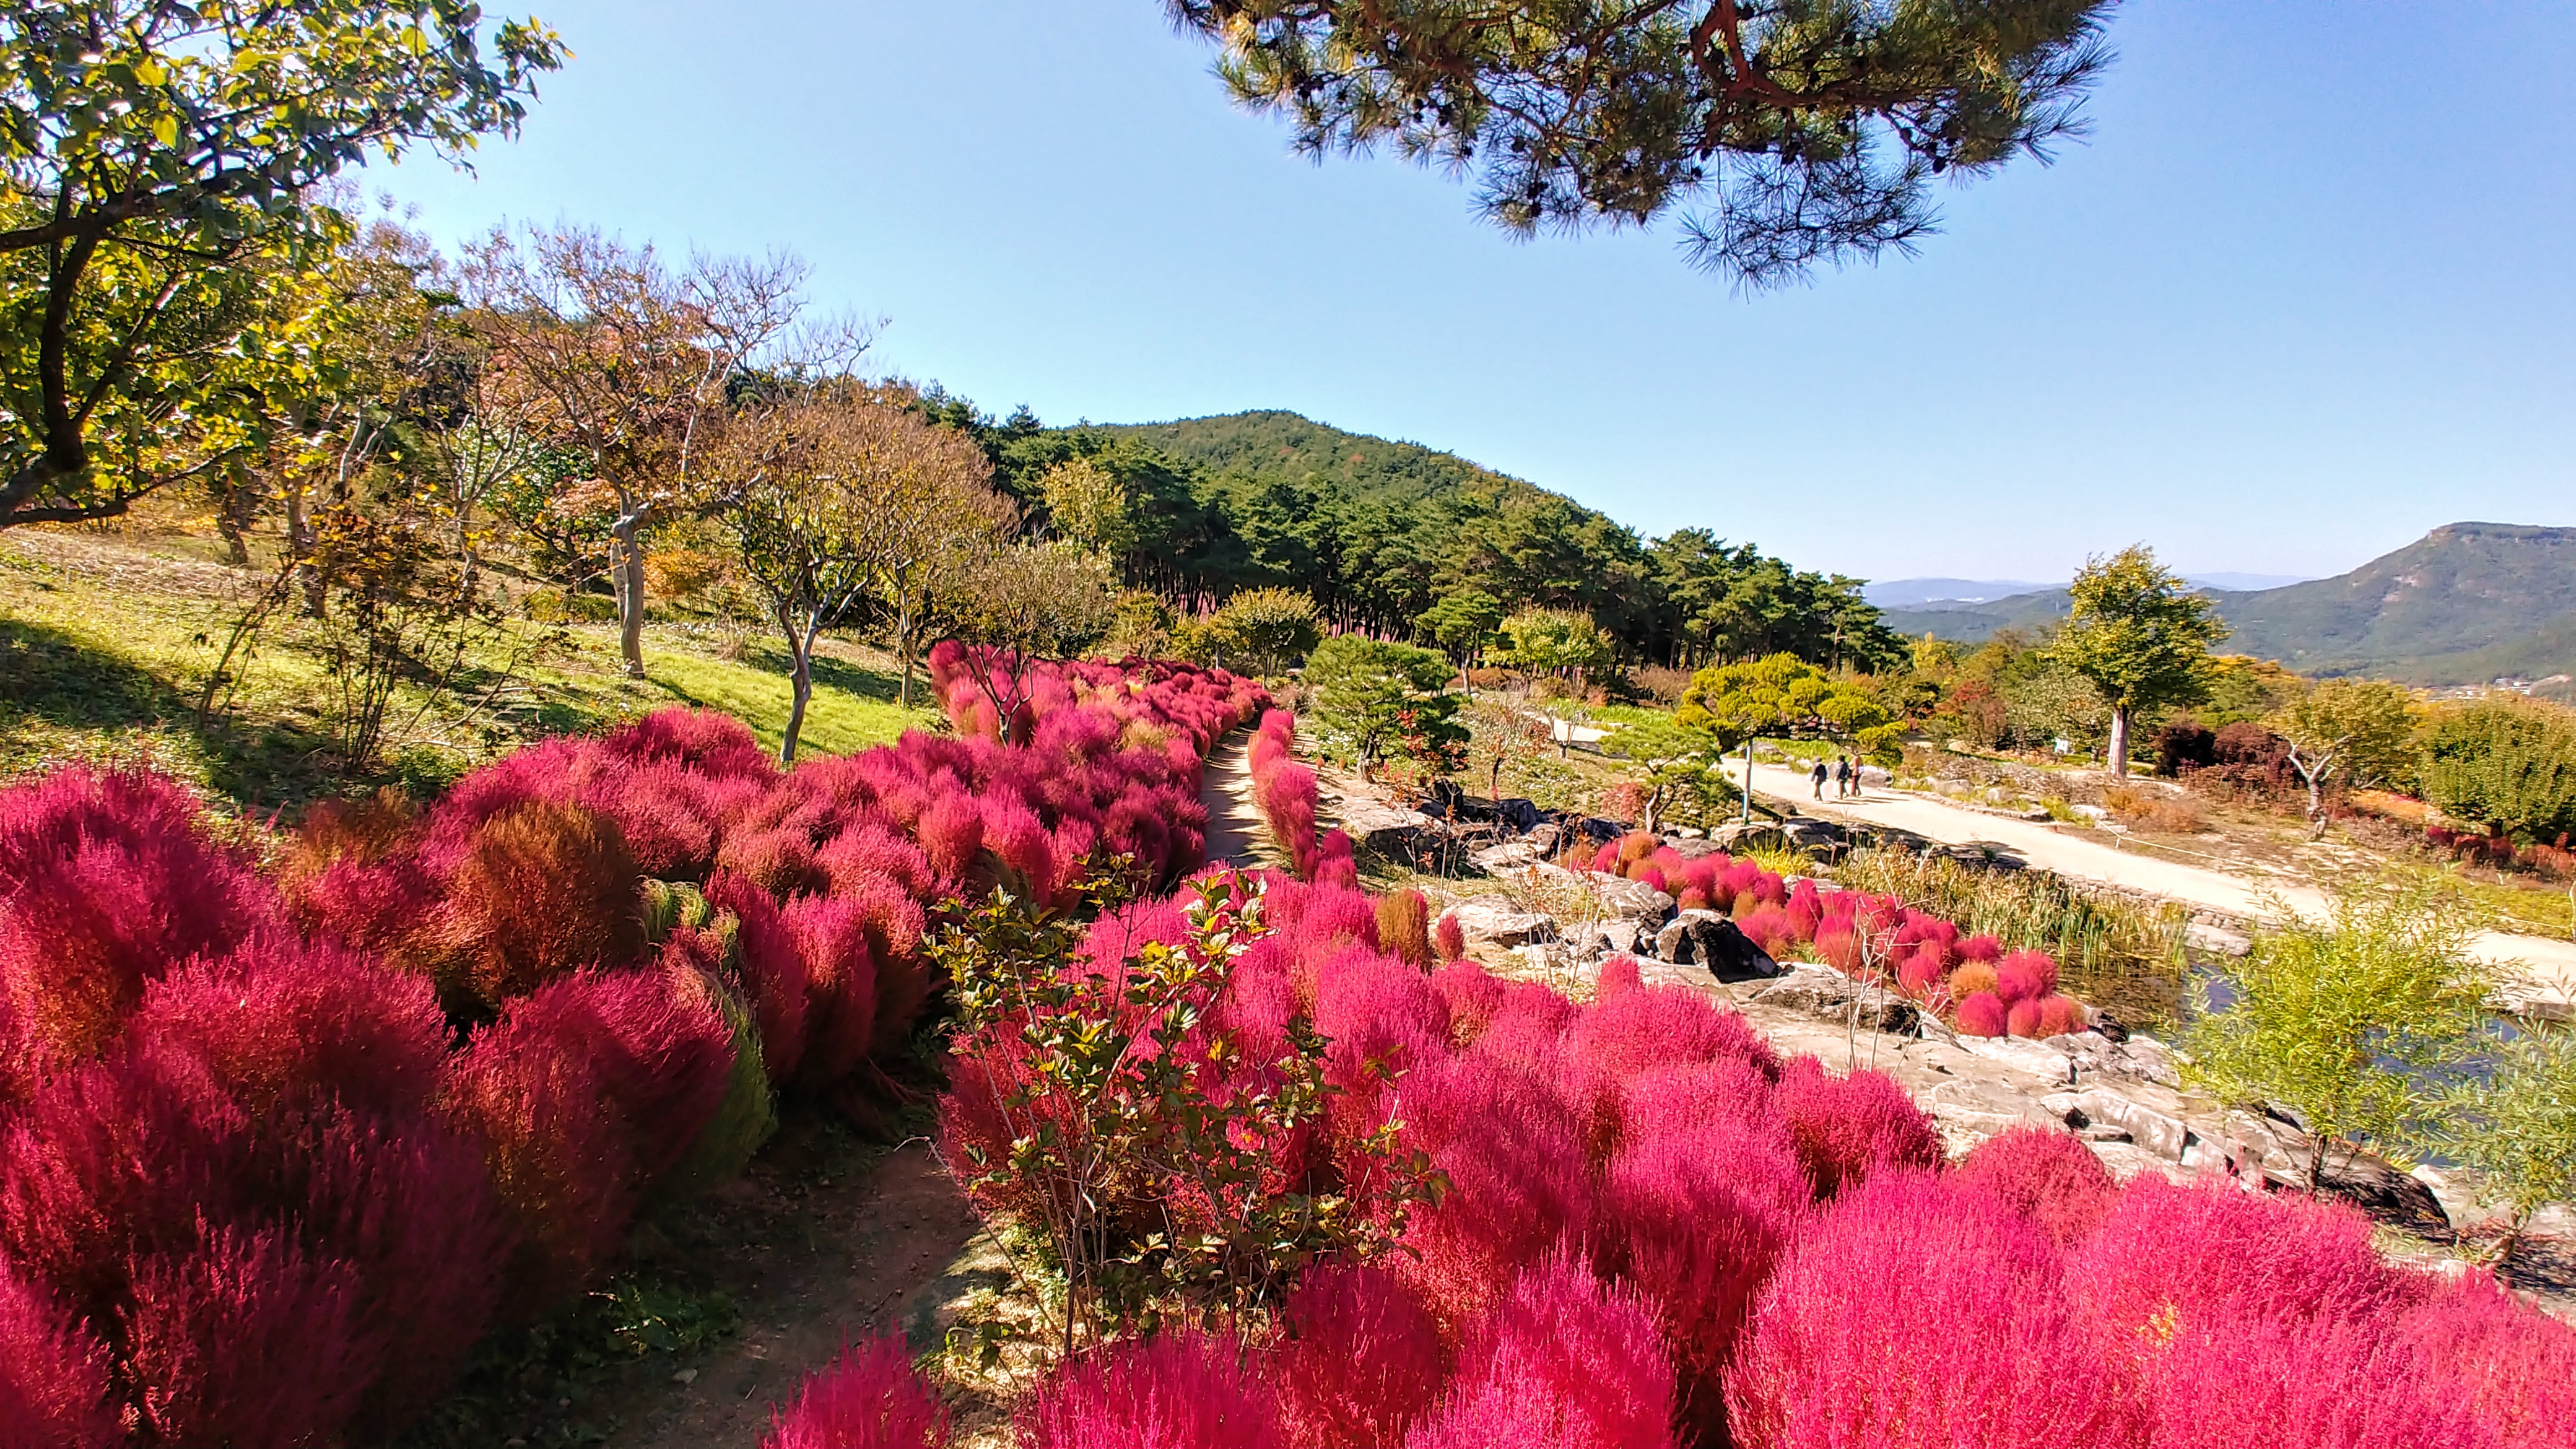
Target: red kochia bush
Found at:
869, 1398
1693, 1215
53, 1375
1922, 1315
2047, 1176
1360, 1362
1177, 1391
2314, 1384
1450, 938
2025, 976
2515, 1365
1847, 1128
542, 889
2194, 1253
1562, 1361
661, 1054
279, 1021
1981, 1013
247, 1340
557, 1151
106, 882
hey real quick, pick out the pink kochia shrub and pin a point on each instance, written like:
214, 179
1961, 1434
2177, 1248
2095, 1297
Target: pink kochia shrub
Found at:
869, 1398
1918, 1312
276, 1152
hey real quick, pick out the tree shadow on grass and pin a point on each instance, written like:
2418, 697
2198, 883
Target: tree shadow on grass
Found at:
50, 678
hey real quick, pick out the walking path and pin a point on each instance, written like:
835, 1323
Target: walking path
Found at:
1236, 833
2549, 964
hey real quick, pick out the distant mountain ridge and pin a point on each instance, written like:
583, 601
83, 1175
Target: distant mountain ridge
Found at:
2466, 603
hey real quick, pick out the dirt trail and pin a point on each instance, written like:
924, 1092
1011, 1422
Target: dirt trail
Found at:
2549, 964
1236, 833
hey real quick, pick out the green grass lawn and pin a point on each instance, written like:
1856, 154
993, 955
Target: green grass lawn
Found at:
106, 644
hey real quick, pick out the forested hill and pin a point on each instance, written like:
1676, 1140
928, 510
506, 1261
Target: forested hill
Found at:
1379, 532
2466, 603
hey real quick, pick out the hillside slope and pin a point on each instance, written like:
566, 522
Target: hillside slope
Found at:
2465, 603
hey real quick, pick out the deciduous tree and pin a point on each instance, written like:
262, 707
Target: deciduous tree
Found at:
804, 522
1015, 605
1810, 132
2362, 730
2140, 635
625, 365
2507, 763
156, 232
2346, 1020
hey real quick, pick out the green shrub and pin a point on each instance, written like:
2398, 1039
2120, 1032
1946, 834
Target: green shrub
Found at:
2347, 1021
2506, 763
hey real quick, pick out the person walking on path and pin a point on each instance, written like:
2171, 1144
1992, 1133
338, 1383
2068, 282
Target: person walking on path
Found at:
1818, 776
1843, 778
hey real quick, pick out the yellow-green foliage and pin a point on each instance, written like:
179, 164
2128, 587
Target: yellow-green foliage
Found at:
2345, 1020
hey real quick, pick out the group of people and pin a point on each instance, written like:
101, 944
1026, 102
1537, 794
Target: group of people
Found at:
1844, 773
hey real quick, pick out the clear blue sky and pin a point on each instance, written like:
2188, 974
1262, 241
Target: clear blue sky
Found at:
2306, 292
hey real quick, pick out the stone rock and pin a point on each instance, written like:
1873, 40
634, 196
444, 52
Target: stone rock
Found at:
2533, 1002
1695, 845
1542, 838
1819, 838
1610, 938
1385, 829
1500, 925
1823, 991
2038, 1059
1706, 938
1495, 859
1738, 838
2152, 1130
1633, 899
2204, 940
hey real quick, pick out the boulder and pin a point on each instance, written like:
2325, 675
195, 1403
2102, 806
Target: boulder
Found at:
1387, 830
1543, 837
1823, 991
1819, 838
1738, 838
1633, 899
1706, 938
2158, 1133
1694, 846
1610, 938
1501, 925
1495, 859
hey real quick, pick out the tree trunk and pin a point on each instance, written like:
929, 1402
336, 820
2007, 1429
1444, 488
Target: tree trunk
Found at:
2317, 805
630, 592
2119, 742
800, 647
903, 650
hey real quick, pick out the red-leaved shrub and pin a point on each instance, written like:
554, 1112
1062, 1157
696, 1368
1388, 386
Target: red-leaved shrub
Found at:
1562, 1361
106, 883
542, 889
246, 1339
1359, 1361
1981, 1013
279, 1021
1177, 1391
1848, 1128
1450, 938
2048, 1176
2515, 1365
2183, 1255
1918, 1314
2321, 1383
869, 1398
53, 1375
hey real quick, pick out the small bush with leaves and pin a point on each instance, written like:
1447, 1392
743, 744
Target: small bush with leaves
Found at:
869, 1398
